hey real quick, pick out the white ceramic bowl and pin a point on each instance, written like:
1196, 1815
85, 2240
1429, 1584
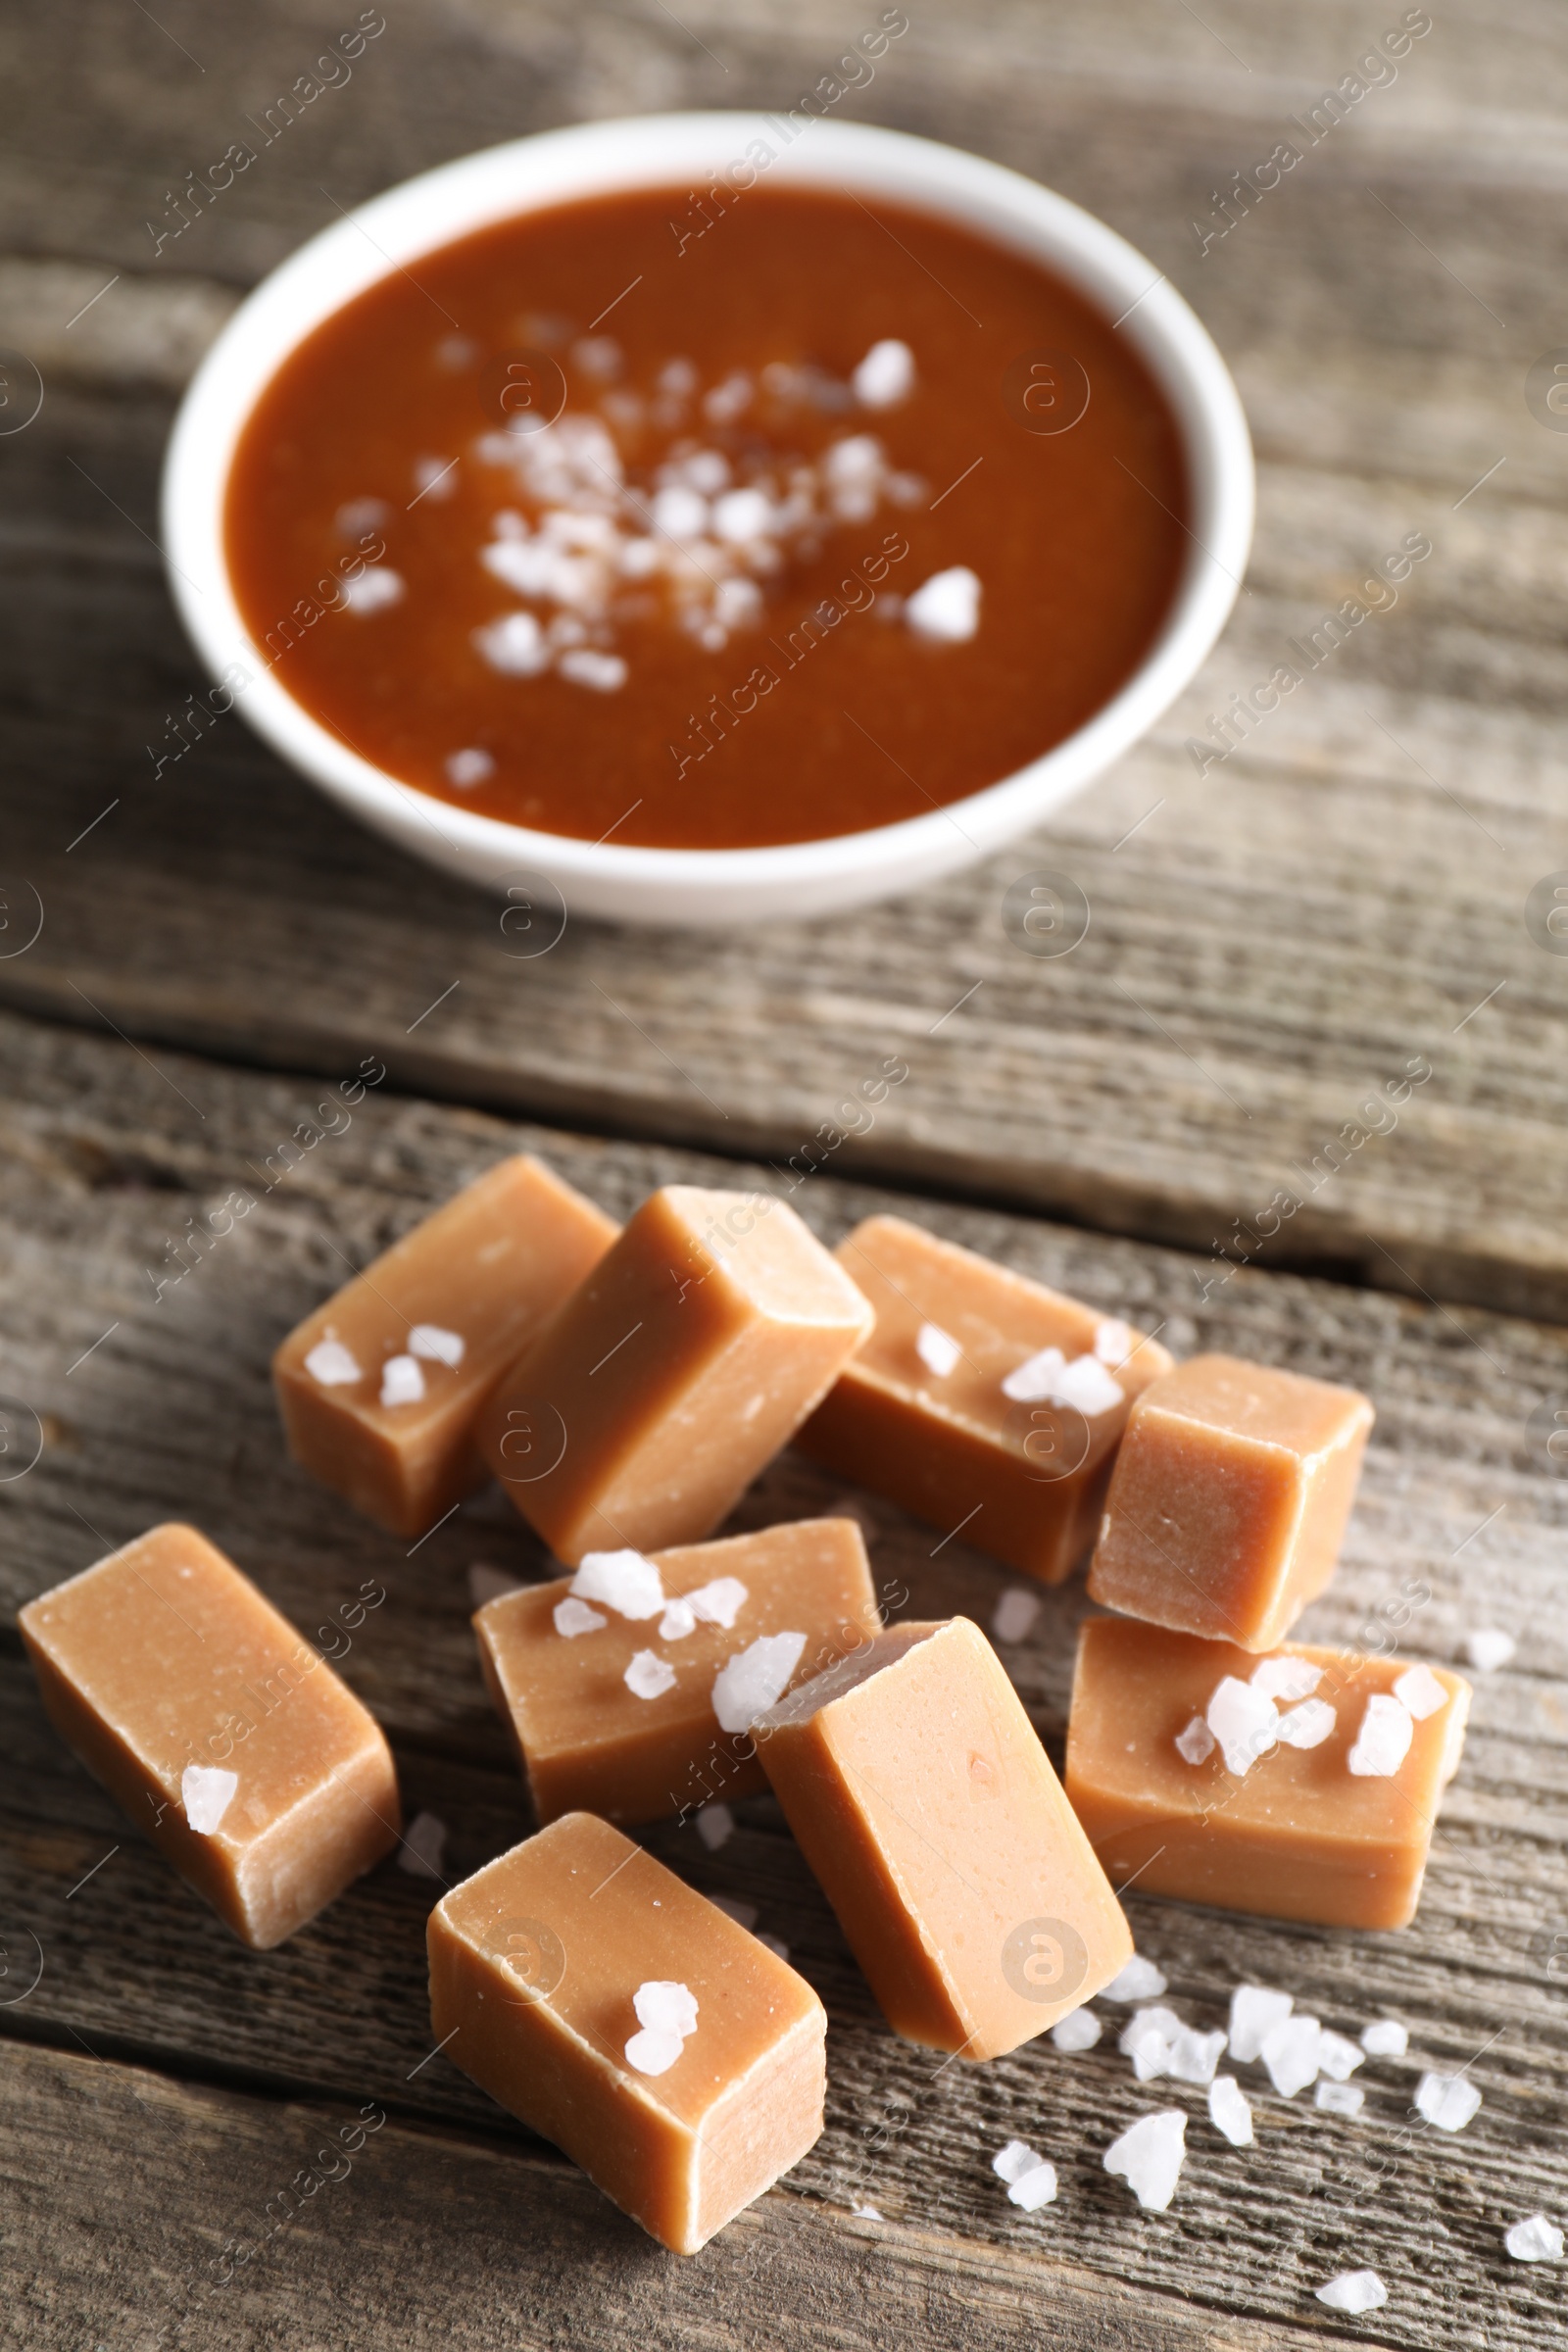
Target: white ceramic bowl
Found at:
694, 887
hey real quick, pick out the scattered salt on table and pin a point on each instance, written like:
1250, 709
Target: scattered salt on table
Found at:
1149, 2157
715, 1826
1229, 2111
1339, 2057
1488, 1649
1079, 2029
1289, 2053
1386, 2038
1339, 2098
1031, 2180
1534, 2241
1139, 1980
423, 1848
1147, 2040
1255, 2010
1354, 2292
1448, 2100
1015, 1613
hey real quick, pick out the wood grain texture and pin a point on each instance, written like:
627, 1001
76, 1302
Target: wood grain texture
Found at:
425, 2239
105, 1153
1270, 942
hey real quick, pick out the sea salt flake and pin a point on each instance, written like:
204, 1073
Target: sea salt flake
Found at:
207, 1791
1149, 2157
487, 1584
469, 766
653, 2053
1449, 2101
1034, 2188
718, 1602
1194, 2056
402, 1381
742, 515
664, 2007
1148, 2039
885, 376
715, 1827
436, 1345
1419, 1691
373, 589
574, 1617
514, 645
1014, 1614
1308, 1725
423, 1846
937, 1349
624, 1581
1229, 2111
680, 513
605, 673
1084, 1383
1244, 1722
1384, 1739
1289, 2053
946, 609
1488, 1649
1197, 1743
1354, 2292
1010, 2162
1139, 1980
1534, 2240
1116, 1342
1079, 2029
1256, 2010
1339, 2098
1338, 2057
1286, 1678
331, 1363
754, 1680
1386, 2038
679, 1620
866, 2213
361, 515
648, 1676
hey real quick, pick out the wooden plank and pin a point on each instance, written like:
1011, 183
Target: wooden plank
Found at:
1271, 943
508, 2248
104, 1153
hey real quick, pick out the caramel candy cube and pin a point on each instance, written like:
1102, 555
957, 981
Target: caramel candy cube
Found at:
1229, 1499
215, 1729
628, 2020
920, 1796
981, 1400
379, 1389
691, 1353
1303, 1785
612, 1700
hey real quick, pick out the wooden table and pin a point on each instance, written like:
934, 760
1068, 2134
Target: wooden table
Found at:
1341, 897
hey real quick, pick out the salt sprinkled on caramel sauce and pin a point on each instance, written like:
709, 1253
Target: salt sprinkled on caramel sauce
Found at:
714, 548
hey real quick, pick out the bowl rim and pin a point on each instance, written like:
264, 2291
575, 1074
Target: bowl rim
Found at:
542, 170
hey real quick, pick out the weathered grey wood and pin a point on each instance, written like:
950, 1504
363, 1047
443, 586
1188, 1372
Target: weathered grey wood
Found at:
107, 2240
103, 1156
1273, 941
